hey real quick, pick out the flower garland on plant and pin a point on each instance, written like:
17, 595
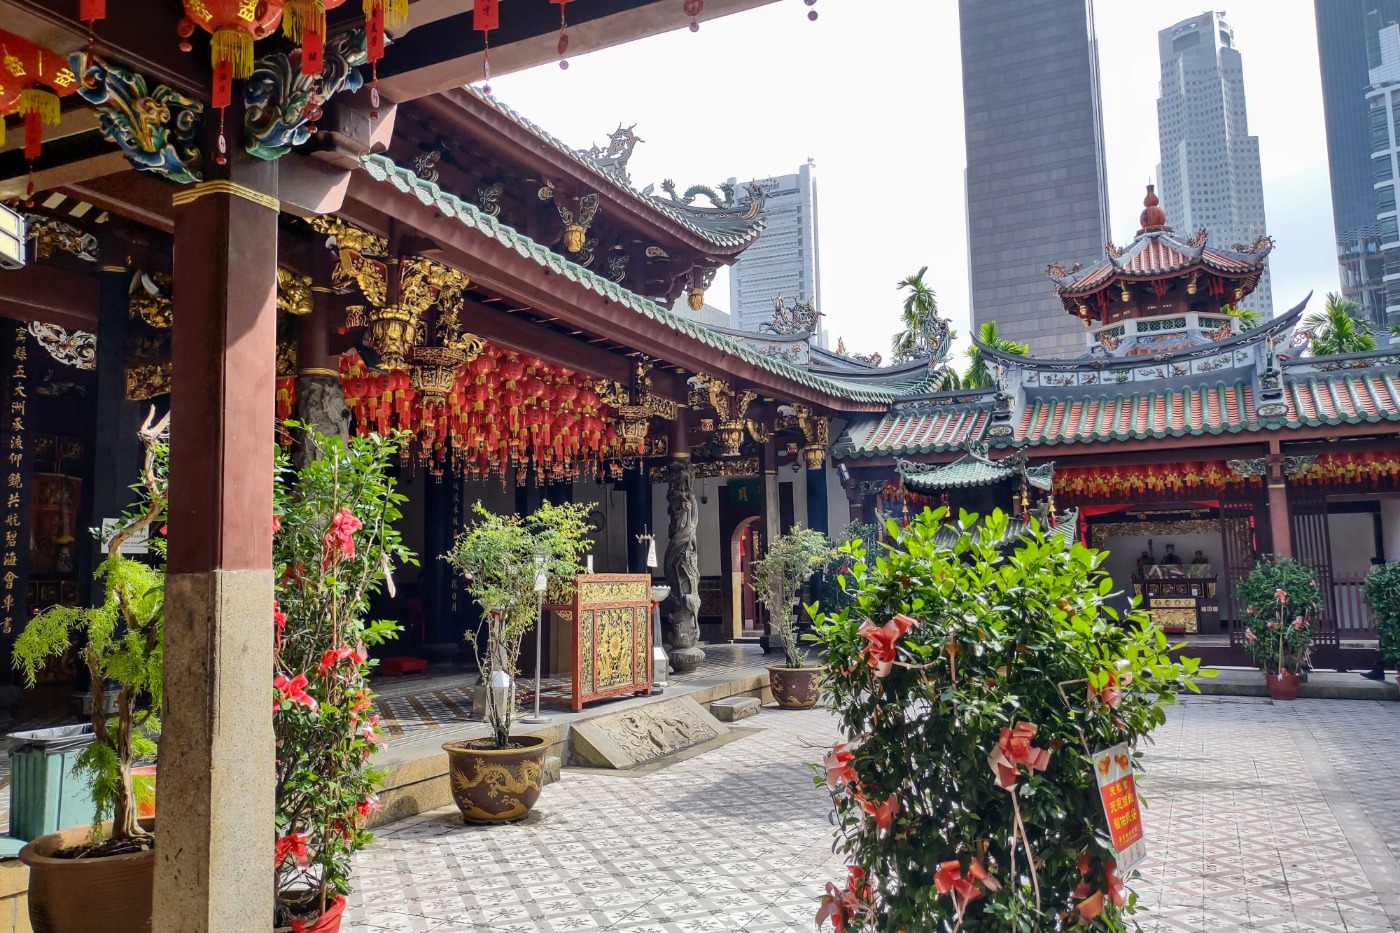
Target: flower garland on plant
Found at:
334, 545
1280, 597
974, 686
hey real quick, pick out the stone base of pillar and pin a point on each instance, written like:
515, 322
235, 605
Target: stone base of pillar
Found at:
685, 660
217, 754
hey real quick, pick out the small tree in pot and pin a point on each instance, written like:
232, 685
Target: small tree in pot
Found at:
1383, 596
122, 641
501, 557
1280, 597
334, 545
777, 579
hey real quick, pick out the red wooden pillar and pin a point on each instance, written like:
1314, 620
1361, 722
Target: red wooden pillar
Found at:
1280, 523
215, 830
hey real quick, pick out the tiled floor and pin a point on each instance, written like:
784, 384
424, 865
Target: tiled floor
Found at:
1262, 817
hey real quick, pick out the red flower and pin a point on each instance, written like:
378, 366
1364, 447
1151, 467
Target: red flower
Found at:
965, 889
1251, 610
293, 690
339, 543
838, 767
334, 656
884, 813
276, 524
369, 805
1014, 749
293, 845
279, 619
1281, 595
840, 907
1250, 636
1091, 900
880, 652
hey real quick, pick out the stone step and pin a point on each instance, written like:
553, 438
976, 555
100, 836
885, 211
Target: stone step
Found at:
732, 709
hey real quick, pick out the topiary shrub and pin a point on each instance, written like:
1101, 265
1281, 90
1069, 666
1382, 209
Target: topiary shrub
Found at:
953, 668
1383, 596
1280, 597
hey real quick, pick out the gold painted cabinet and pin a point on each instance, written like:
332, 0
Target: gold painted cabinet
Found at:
611, 620
1179, 605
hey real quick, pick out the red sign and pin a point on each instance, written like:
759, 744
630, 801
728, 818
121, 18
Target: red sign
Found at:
1114, 772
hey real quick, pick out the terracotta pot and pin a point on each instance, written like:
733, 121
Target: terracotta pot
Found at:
110, 895
328, 922
1282, 686
497, 785
794, 687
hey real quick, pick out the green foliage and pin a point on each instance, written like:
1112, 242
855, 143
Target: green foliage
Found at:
497, 555
1383, 596
920, 306
1246, 318
122, 640
1279, 625
997, 638
979, 374
778, 577
327, 567
834, 594
1338, 328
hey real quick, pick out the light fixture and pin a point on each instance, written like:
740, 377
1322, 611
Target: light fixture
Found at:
844, 473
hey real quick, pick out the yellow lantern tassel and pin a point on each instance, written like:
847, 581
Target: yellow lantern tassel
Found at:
302, 16
395, 11
2, 129
235, 47
37, 100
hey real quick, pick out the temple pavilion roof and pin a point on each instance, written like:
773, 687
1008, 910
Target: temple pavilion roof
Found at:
975, 468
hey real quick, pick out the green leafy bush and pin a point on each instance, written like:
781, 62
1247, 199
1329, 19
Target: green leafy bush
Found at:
1383, 596
833, 595
1280, 597
946, 655
334, 545
778, 577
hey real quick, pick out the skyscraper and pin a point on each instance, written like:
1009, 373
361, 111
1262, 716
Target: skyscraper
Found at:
1209, 173
1380, 262
1348, 36
1036, 191
784, 262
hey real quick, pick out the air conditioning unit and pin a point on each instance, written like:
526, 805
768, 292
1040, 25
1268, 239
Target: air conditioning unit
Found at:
11, 239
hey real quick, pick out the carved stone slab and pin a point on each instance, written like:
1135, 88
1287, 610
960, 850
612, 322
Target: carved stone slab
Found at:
643, 734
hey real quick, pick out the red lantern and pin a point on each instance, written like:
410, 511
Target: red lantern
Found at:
511, 370
234, 26
31, 83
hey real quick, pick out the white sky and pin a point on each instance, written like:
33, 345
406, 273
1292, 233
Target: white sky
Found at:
873, 91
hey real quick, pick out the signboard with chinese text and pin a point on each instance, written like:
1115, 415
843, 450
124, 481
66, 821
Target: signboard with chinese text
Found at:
18, 473
1113, 770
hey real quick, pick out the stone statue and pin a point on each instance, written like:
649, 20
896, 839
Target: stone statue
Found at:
321, 404
682, 568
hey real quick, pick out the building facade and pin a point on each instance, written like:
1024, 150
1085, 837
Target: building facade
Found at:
1209, 173
1036, 190
1348, 46
1382, 263
785, 262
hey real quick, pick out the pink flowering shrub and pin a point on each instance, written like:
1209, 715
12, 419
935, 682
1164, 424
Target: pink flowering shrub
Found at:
334, 546
1280, 599
973, 686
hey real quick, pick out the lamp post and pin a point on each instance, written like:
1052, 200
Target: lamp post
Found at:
541, 584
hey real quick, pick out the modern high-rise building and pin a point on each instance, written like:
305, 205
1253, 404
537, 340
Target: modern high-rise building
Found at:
1348, 47
1036, 187
785, 261
1209, 174
1383, 115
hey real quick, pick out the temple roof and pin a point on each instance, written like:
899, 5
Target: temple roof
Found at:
916, 430
974, 468
733, 225
901, 381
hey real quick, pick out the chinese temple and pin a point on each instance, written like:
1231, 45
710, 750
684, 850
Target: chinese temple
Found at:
1187, 445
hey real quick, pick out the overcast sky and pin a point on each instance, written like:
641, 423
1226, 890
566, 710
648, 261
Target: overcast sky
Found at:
873, 92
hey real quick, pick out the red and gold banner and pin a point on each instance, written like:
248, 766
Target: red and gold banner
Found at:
1199, 479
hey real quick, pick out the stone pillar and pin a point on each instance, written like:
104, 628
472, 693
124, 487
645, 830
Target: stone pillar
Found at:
217, 757
818, 519
1280, 524
320, 397
682, 567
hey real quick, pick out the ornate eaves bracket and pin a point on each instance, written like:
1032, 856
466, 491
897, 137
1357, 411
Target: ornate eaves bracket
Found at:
49, 234
697, 281
1274, 466
282, 105
156, 128
576, 218
815, 429
731, 407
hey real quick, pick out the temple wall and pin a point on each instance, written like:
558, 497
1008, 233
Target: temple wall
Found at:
1390, 528
1353, 540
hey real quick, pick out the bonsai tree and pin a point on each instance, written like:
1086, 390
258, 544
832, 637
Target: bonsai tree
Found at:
1280, 597
1383, 596
334, 545
123, 642
499, 556
778, 577
976, 686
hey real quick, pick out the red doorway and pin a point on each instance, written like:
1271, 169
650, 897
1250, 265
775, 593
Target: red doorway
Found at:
743, 549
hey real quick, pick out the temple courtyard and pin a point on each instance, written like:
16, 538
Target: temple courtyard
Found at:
1260, 816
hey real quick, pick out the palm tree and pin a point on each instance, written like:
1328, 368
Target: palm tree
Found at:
920, 305
1247, 318
979, 375
944, 379
1336, 328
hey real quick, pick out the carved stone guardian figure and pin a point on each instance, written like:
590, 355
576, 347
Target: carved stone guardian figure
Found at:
682, 569
321, 405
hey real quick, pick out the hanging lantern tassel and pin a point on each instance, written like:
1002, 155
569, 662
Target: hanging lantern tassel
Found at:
304, 22
90, 11
37, 107
563, 34
486, 16
693, 8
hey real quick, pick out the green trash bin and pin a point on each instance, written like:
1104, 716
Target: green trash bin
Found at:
45, 794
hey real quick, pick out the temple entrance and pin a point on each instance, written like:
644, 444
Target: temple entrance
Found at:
743, 547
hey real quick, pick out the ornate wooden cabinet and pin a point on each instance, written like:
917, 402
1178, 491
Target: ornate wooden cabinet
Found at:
1180, 605
611, 619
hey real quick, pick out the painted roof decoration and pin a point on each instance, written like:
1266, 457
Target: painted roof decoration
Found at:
975, 468
731, 223
1065, 527
883, 387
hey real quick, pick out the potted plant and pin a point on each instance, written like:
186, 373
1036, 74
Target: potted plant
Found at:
834, 594
334, 545
1383, 596
509, 563
1280, 597
100, 878
777, 580
981, 690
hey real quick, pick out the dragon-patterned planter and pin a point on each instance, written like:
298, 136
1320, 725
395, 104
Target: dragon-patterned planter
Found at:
496, 785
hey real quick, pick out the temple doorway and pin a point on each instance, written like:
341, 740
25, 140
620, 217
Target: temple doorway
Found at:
743, 547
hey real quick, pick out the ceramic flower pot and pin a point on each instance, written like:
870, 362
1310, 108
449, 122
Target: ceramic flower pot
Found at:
496, 785
1282, 686
328, 922
794, 687
110, 895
